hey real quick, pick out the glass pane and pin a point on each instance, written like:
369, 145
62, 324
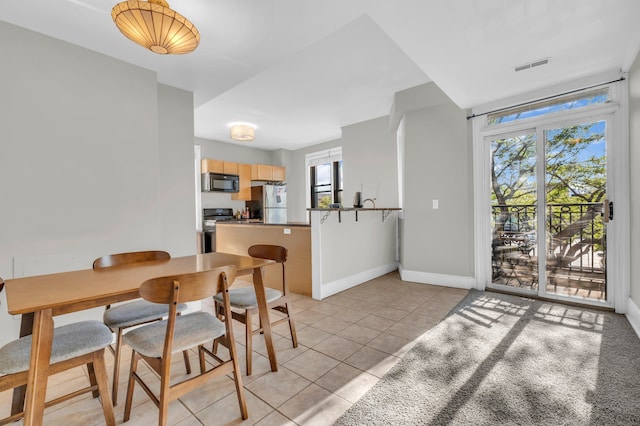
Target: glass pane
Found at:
572, 101
323, 174
323, 200
576, 183
514, 258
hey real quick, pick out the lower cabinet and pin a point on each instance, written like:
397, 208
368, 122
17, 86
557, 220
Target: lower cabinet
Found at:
237, 238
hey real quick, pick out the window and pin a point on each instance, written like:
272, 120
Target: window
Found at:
325, 178
326, 184
536, 109
558, 158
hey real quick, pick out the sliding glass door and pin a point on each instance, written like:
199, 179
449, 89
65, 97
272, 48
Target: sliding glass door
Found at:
514, 206
549, 210
576, 210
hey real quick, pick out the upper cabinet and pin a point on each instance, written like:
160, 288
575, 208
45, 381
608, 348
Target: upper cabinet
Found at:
261, 172
244, 193
246, 173
265, 172
230, 168
279, 174
212, 166
219, 166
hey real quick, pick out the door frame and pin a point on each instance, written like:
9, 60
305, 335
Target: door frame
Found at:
618, 236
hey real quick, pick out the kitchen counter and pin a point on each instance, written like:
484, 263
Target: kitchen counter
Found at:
237, 236
259, 223
386, 211
351, 209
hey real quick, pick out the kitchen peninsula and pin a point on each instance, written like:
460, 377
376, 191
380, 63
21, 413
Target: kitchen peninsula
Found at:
351, 246
237, 236
340, 248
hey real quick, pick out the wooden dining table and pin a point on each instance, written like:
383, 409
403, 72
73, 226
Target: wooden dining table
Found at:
39, 298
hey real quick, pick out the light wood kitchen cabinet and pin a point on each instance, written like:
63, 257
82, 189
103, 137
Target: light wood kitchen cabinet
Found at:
244, 172
212, 166
261, 172
268, 173
229, 168
219, 166
279, 174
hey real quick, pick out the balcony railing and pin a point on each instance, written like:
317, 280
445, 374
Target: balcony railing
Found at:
575, 244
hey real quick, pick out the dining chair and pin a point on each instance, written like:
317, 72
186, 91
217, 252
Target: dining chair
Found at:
74, 345
156, 343
131, 314
244, 303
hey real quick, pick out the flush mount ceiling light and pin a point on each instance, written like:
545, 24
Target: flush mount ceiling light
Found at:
243, 131
153, 25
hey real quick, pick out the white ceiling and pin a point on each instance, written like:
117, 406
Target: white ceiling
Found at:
302, 69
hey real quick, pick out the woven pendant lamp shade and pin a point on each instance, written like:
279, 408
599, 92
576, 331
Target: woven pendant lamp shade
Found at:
155, 26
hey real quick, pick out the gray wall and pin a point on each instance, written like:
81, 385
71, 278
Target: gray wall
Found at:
232, 152
369, 157
370, 162
437, 166
634, 147
177, 185
84, 172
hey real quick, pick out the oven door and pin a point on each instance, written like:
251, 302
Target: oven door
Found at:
209, 243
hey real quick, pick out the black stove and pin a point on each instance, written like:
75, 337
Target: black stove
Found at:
209, 219
210, 216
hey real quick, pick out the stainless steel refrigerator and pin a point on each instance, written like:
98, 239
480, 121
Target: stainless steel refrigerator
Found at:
270, 201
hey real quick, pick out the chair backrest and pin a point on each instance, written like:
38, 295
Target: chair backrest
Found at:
277, 253
183, 288
265, 251
188, 287
120, 259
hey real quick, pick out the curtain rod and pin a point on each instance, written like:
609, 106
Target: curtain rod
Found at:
543, 99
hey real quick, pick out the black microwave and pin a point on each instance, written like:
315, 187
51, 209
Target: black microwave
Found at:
218, 182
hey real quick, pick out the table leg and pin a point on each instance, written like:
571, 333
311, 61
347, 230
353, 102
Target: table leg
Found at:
26, 328
263, 312
38, 367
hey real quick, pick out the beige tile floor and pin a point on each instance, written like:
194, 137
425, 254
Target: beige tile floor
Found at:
346, 343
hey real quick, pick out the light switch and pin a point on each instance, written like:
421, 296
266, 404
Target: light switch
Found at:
435, 204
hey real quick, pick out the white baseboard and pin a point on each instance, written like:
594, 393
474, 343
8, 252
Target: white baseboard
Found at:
455, 281
346, 283
633, 315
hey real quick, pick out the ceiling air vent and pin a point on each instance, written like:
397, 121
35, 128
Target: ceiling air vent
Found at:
531, 65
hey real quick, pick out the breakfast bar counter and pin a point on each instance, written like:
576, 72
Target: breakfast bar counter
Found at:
237, 236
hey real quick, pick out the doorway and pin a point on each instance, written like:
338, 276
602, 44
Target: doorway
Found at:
549, 178
563, 175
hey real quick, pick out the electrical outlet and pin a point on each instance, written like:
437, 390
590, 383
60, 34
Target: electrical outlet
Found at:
287, 231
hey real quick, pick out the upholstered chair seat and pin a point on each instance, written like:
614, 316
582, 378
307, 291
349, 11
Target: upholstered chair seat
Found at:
191, 330
135, 313
69, 341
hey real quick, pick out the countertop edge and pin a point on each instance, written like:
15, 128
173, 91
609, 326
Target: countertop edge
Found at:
360, 209
288, 224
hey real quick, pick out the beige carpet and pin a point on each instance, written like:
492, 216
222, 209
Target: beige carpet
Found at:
499, 359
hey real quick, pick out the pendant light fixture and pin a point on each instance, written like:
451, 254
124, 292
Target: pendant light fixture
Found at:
155, 26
